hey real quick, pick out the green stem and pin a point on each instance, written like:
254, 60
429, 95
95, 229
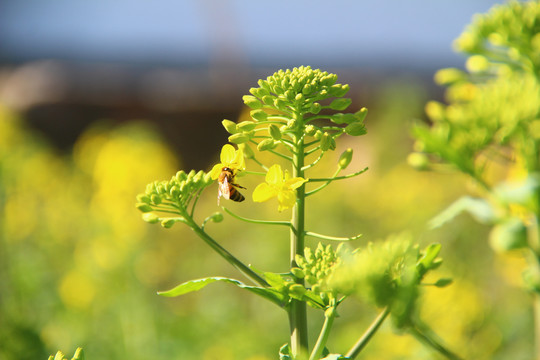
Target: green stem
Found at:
432, 342
240, 266
297, 311
329, 317
333, 238
368, 334
255, 221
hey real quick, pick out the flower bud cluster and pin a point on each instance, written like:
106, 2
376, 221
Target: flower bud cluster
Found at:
292, 94
172, 195
316, 267
300, 87
495, 33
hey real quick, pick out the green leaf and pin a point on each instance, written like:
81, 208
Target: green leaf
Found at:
195, 285
480, 209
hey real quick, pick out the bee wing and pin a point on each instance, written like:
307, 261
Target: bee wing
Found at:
224, 189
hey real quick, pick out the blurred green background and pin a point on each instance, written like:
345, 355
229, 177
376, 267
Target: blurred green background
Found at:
78, 266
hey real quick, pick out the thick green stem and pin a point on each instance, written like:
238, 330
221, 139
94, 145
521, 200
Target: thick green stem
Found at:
368, 334
297, 311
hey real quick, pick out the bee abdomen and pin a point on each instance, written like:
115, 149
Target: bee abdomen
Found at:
236, 196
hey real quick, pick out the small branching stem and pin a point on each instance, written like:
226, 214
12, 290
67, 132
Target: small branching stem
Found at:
329, 317
424, 337
240, 266
368, 334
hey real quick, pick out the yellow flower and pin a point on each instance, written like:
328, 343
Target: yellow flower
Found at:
280, 185
231, 158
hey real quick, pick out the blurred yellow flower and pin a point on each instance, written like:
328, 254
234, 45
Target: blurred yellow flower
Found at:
231, 158
280, 185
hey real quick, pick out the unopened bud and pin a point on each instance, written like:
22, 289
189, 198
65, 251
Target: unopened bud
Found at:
168, 223
273, 129
259, 115
150, 218
315, 108
345, 158
310, 130
326, 141
247, 125
239, 138
230, 126
266, 144
340, 104
252, 101
356, 129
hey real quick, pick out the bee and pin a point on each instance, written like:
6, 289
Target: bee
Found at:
227, 188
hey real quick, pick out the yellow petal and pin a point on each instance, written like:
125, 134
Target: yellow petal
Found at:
216, 170
239, 162
294, 183
263, 192
286, 199
274, 176
228, 154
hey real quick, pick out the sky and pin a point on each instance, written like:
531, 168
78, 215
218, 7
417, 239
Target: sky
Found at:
254, 33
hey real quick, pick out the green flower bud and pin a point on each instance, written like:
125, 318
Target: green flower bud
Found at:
340, 104
419, 161
168, 223
252, 101
508, 235
318, 135
289, 94
217, 217
156, 199
345, 158
292, 124
316, 288
150, 218
341, 118
259, 115
449, 76
338, 90
247, 125
268, 100
326, 141
258, 92
443, 282
361, 114
239, 138
143, 198
477, 63
308, 89
310, 130
298, 273
230, 126
273, 129
280, 104
356, 129
181, 176
266, 144
299, 97
297, 291
315, 108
